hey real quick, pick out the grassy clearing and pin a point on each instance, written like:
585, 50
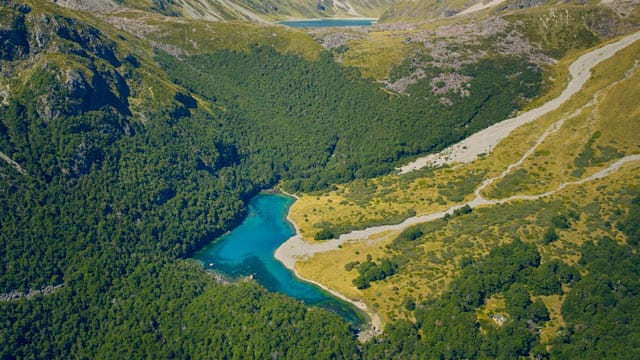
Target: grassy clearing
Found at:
429, 263
554, 305
385, 297
376, 54
385, 200
494, 305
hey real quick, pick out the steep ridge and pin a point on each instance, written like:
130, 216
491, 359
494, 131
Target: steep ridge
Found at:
257, 10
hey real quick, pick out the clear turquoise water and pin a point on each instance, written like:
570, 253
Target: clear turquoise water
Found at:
328, 23
249, 248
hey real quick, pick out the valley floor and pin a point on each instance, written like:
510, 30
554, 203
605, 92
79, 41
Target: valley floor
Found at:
297, 248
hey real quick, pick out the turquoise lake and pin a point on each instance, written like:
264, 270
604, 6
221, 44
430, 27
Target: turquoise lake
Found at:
328, 23
248, 251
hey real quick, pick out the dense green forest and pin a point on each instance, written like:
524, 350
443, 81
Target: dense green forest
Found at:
113, 200
109, 205
316, 123
601, 309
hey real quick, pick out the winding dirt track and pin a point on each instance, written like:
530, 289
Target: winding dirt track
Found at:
296, 247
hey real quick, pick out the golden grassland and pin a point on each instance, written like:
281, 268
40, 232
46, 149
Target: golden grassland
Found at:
429, 265
366, 202
384, 297
376, 54
433, 262
322, 268
551, 327
196, 37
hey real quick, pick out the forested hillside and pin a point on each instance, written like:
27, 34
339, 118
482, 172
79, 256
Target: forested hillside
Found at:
121, 174
125, 147
317, 123
108, 164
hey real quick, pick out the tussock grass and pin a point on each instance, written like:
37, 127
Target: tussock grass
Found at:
613, 118
389, 199
376, 54
429, 263
551, 328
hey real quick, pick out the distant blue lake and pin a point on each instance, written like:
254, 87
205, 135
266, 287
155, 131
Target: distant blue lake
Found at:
249, 249
328, 23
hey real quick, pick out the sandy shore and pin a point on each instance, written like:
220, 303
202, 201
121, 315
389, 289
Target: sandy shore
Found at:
484, 141
288, 256
297, 248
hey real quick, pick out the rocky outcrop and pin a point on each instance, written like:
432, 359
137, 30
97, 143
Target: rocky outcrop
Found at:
65, 78
18, 295
89, 5
523, 4
13, 33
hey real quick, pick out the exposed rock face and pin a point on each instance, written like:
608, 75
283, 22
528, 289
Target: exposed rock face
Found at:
88, 5
623, 8
76, 85
331, 39
402, 84
450, 47
13, 34
64, 77
73, 91
446, 82
89, 39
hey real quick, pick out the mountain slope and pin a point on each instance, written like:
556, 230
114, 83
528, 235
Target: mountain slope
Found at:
128, 139
124, 174
255, 10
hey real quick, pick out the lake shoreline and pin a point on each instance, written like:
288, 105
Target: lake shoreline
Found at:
247, 252
287, 258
